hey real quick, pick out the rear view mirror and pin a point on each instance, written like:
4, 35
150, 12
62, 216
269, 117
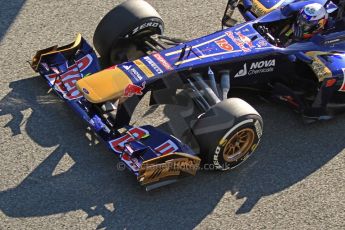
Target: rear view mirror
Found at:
303, 57
227, 20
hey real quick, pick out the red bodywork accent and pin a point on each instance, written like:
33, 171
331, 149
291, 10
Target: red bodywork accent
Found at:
330, 82
65, 83
163, 61
224, 44
134, 133
237, 41
132, 90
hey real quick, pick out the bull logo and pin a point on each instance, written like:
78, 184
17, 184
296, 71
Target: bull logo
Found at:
132, 90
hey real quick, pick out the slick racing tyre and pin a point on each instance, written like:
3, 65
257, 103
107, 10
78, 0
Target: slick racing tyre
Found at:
133, 19
228, 133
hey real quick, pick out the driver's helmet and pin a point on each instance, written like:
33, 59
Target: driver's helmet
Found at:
311, 19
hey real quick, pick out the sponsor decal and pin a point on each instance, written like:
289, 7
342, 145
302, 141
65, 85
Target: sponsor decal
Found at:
216, 156
218, 151
146, 25
257, 68
85, 91
127, 67
253, 147
143, 68
258, 128
132, 90
332, 41
242, 72
135, 133
342, 88
246, 40
154, 66
133, 72
237, 41
167, 147
65, 82
224, 44
162, 60
262, 43
130, 162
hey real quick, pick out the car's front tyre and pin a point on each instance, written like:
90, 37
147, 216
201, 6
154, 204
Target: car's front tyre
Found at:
228, 133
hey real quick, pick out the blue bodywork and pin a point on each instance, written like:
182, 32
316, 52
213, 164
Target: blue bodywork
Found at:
132, 145
252, 9
241, 45
245, 50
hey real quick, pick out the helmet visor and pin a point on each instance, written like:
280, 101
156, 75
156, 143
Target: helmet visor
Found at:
306, 24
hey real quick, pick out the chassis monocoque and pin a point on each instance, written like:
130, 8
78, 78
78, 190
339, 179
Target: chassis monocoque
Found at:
314, 85
252, 9
137, 58
311, 81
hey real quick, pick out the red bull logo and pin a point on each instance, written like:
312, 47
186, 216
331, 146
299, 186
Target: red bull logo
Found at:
132, 90
245, 40
237, 41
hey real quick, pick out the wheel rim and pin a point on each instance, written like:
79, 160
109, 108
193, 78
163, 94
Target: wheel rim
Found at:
239, 145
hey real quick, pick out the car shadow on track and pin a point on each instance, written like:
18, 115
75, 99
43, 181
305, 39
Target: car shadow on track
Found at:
289, 152
8, 12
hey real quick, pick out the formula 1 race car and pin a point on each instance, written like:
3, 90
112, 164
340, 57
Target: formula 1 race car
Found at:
252, 9
137, 58
326, 91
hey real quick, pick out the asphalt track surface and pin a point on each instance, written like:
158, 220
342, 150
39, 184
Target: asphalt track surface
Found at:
55, 175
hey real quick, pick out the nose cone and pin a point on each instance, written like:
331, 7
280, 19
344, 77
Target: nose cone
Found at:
105, 85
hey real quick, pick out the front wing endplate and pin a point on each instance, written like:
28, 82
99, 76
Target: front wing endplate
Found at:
168, 166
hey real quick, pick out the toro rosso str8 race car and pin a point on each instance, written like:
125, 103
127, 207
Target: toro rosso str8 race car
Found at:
137, 59
252, 9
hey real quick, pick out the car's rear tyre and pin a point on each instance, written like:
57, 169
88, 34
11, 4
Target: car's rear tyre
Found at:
133, 19
228, 133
